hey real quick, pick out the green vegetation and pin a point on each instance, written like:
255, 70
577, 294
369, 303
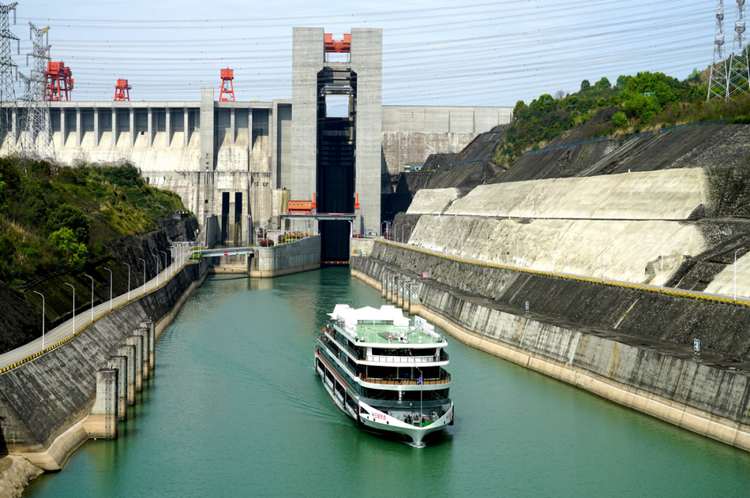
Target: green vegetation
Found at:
52, 221
646, 101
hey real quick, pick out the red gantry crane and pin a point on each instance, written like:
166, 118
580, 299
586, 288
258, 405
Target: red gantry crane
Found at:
338, 46
58, 82
227, 87
122, 91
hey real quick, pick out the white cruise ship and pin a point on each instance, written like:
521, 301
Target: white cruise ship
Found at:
386, 372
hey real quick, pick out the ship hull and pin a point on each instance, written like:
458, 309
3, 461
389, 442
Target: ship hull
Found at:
371, 419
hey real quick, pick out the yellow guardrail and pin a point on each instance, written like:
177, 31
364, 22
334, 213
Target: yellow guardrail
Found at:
63, 341
576, 277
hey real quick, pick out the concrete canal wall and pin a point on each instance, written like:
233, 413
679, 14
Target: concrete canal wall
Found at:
46, 403
284, 259
652, 372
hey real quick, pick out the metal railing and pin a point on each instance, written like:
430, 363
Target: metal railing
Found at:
408, 359
444, 379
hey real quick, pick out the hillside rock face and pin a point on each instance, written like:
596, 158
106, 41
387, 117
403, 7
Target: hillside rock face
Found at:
21, 309
178, 228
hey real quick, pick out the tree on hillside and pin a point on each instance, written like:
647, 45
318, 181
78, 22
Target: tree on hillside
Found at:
585, 85
67, 216
619, 120
67, 249
603, 84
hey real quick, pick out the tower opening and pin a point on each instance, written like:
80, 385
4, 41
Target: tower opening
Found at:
337, 88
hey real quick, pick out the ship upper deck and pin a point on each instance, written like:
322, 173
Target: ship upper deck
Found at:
386, 333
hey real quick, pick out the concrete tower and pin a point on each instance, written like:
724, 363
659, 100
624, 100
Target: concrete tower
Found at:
338, 159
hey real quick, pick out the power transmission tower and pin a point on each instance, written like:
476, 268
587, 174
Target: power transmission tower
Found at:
38, 143
8, 131
717, 82
738, 72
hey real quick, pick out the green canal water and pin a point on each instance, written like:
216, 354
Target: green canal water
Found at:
237, 410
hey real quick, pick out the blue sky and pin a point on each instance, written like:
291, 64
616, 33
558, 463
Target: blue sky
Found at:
435, 52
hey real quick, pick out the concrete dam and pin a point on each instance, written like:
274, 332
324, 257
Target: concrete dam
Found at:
243, 161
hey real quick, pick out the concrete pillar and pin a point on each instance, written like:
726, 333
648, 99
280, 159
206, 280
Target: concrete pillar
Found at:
187, 129
208, 137
400, 294
96, 127
151, 326
416, 299
250, 135
168, 127
132, 128
137, 341
114, 127
145, 366
128, 351
63, 131
273, 145
121, 364
79, 128
383, 285
102, 421
150, 127
389, 284
231, 126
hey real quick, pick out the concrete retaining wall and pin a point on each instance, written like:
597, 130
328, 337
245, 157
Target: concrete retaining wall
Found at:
702, 398
627, 250
650, 316
294, 257
434, 201
44, 402
654, 195
361, 247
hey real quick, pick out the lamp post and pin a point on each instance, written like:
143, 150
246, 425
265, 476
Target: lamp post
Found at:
403, 225
110, 287
421, 387
74, 306
128, 280
144, 275
92, 295
735, 272
40, 294
157, 268
395, 232
166, 259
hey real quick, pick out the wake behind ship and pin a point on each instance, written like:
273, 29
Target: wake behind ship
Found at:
385, 372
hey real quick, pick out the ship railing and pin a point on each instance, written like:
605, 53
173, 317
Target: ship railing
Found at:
409, 382
407, 359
